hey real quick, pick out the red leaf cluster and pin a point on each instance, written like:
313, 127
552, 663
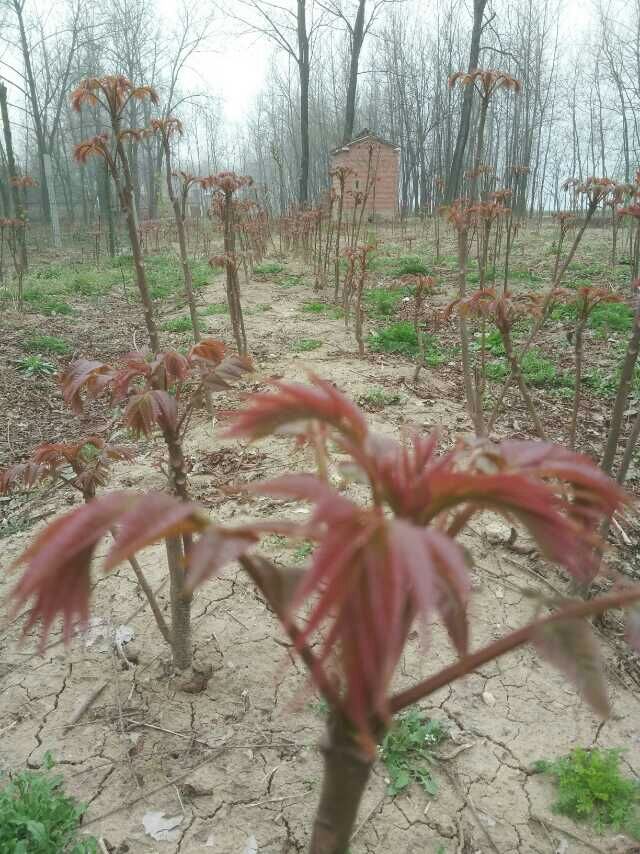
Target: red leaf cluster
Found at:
58, 561
154, 384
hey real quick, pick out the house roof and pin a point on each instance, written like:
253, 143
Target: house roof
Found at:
364, 136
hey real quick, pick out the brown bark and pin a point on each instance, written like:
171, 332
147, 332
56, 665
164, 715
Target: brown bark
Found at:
346, 772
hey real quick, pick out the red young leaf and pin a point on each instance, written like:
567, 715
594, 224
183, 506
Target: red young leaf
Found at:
214, 550
84, 374
58, 563
208, 350
27, 474
153, 517
150, 409
228, 371
572, 648
294, 402
170, 367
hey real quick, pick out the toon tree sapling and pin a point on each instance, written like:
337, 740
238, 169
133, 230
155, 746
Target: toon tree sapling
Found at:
162, 393
380, 564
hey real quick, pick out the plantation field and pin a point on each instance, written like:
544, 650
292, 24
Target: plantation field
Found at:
234, 759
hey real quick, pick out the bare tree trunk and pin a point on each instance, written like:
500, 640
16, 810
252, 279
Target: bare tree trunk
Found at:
357, 39
18, 209
304, 71
455, 174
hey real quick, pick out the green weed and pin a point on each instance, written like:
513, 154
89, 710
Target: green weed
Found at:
303, 551
267, 269
216, 308
47, 344
322, 308
304, 345
496, 370
48, 304
378, 398
36, 817
611, 317
178, 324
397, 338
407, 751
35, 366
384, 302
591, 788
291, 280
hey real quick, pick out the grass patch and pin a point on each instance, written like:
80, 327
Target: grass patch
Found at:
178, 324
267, 269
496, 370
378, 398
407, 751
611, 317
216, 308
48, 304
322, 308
303, 551
384, 302
36, 817
398, 338
591, 788
291, 280
304, 345
47, 344
405, 265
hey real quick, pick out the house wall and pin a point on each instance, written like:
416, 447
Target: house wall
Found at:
385, 166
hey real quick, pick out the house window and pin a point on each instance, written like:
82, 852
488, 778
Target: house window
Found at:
357, 185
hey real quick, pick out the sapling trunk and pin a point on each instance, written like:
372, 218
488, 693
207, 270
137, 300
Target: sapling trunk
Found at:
233, 285
347, 768
516, 370
338, 230
125, 193
577, 393
176, 550
470, 393
558, 275
181, 646
182, 239
624, 388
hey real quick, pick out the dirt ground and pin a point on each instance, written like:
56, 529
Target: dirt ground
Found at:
238, 764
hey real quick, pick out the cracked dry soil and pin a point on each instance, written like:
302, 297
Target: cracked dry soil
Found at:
242, 755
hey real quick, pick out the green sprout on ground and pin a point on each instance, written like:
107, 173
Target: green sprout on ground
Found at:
47, 344
304, 345
267, 269
384, 302
322, 308
408, 751
216, 308
36, 366
401, 338
178, 324
378, 398
591, 788
48, 304
36, 817
302, 552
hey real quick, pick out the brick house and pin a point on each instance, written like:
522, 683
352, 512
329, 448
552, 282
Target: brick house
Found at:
369, 153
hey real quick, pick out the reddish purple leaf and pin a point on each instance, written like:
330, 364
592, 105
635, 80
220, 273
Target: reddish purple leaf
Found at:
294, 402
155, 516
150, 409
214, 550
572, 648
58, 563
